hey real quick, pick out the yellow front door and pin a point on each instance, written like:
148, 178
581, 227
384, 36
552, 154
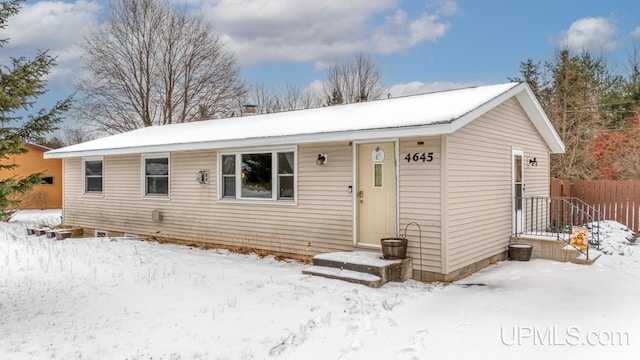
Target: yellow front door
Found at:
376, 192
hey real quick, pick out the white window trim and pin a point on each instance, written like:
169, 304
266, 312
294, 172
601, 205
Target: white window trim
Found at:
274, 176
143, 176
84, 176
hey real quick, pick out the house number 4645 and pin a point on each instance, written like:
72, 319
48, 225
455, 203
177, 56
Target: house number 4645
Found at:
424, 157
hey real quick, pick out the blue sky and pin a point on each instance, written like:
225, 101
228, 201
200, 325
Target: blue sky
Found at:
420, 46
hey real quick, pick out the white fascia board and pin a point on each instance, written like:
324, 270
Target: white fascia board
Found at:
356, 135
534, 110
485, 108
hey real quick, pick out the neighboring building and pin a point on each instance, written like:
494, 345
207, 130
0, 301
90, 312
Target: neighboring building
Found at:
45, 196
328, 179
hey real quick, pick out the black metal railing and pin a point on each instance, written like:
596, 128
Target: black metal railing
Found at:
557, 217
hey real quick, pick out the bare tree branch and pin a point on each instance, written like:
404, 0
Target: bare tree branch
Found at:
292, 98
150, 64
355, 80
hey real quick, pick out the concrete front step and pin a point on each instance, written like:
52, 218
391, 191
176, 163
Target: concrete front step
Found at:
345, 275
353, 266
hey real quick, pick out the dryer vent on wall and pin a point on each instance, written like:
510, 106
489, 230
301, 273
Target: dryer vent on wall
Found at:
156, 216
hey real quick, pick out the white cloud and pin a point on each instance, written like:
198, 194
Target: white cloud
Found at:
590, 34
417, 87
321, 30
55, 26
399, 33
447, 7
315, 87
636, 33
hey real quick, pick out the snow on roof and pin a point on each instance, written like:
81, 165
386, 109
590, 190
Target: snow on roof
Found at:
427, 114
36, 146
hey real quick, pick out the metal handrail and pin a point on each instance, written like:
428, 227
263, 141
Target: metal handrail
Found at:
555, 217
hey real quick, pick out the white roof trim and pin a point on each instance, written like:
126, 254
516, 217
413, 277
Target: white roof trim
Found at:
534, 110
419, 115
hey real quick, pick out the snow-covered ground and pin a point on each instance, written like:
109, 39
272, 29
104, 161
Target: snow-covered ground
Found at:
99, 298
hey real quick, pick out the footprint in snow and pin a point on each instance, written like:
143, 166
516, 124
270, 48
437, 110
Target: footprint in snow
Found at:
417, 342
407, 353
350, 351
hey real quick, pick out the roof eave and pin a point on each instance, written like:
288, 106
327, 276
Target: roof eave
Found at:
534, 110
357, 135
522, 92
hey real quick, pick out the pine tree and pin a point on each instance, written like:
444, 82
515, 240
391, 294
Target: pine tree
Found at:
22, 82
574, 90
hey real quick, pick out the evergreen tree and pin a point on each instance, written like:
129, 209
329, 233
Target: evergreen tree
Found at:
575, 91
22, 83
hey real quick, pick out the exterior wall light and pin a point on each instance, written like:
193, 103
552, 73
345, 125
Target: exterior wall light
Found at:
533, 162
322, 159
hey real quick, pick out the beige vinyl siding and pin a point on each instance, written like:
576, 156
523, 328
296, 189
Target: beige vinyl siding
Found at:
419, 200
321, 221
479, 188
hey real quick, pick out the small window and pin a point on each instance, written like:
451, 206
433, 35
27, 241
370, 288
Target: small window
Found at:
47, 180
93, 176
377, 175
285, 175
156, 173
101, 233
229, 176
256, 176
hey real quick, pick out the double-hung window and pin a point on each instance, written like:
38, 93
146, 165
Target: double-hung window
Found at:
260, 175
228, 176
156, 175
93, 176
286, 166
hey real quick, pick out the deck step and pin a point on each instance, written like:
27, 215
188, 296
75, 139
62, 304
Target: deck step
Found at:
345, 275
363, 267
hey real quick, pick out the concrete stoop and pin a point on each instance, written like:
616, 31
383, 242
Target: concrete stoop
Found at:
360, 267
553, 249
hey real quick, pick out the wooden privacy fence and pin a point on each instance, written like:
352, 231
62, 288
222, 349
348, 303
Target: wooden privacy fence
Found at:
617, 200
